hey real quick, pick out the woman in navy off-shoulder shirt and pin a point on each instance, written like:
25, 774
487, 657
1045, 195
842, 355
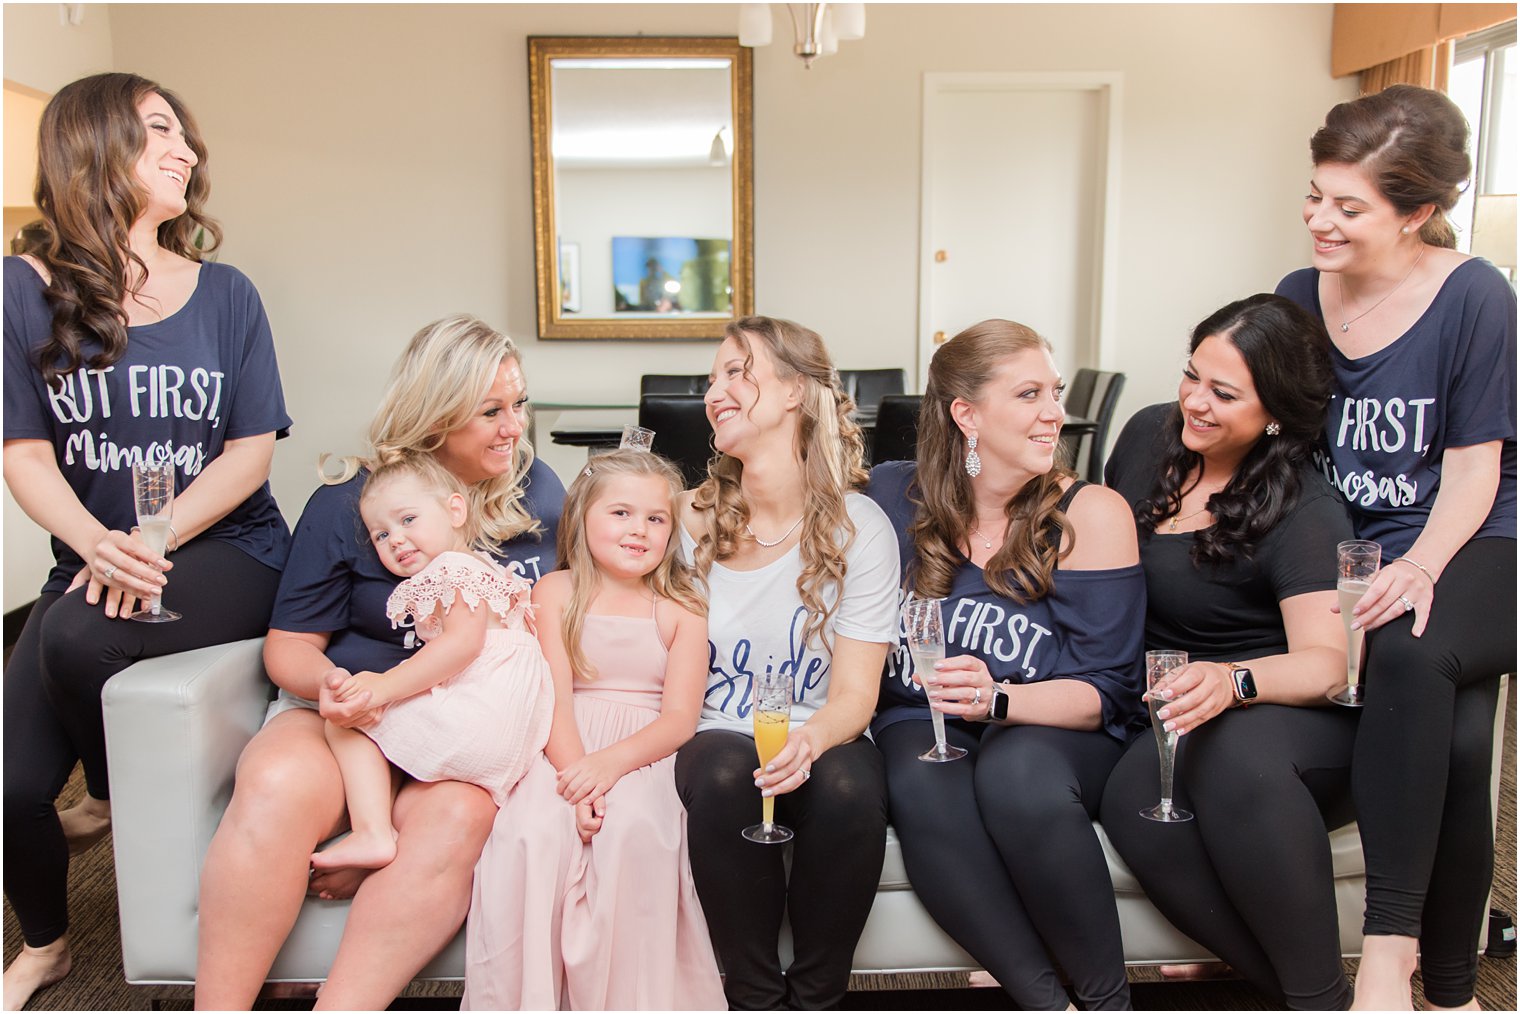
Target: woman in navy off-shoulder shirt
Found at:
1044, 601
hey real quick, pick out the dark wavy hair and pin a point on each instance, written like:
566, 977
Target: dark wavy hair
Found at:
88, 145
1412, 142
1288, 354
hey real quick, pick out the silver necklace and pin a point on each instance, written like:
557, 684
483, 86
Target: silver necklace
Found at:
1340, 287
779, 541
986, 542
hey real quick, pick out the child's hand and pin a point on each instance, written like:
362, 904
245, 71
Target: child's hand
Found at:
588, 817
593, 775
358, 683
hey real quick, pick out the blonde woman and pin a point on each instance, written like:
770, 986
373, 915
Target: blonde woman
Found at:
801, 575
458, 393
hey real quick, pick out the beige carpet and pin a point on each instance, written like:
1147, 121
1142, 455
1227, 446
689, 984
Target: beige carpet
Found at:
96, 982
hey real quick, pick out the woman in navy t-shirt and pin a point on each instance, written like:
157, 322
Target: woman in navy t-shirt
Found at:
457, 392
1420, 440
1043, 612
122, 346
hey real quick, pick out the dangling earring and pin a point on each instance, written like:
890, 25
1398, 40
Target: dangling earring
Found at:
1274, 428
973, 459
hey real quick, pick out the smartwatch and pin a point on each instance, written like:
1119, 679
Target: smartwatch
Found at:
997, 705
1244, 682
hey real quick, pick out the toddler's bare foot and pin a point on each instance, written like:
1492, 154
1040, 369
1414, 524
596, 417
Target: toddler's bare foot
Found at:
33, 969
358, 851
1196, 972
85, 823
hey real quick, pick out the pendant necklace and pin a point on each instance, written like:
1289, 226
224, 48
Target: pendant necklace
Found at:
769, 545
1171, 525
1341, 290
986, 542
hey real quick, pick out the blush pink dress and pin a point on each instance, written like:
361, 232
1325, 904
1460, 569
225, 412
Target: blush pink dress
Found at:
614, 925
633, 934
488, 723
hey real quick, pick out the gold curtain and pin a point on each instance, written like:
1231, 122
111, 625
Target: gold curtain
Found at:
1429, 67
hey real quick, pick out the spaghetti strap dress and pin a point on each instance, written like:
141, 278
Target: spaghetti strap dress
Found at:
488, 723
633, 933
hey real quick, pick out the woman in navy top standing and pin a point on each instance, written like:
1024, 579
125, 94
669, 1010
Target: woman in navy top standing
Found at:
122, 346
458, 393
1420, 440
1044, 608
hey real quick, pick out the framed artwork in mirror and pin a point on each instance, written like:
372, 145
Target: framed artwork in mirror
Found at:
642, 186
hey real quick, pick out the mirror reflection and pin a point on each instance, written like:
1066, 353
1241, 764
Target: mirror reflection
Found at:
641, 186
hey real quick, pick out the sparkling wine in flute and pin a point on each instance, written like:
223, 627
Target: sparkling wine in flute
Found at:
1356, 563
1159, 666
153, 498
924, 628
924, 658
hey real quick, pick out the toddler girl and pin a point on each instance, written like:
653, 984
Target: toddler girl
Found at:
474, 704
625, 633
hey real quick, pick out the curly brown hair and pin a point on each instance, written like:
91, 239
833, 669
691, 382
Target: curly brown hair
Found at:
829, 450
88, 192
1022, 568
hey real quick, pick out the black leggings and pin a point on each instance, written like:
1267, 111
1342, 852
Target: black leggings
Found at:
66, 653
1000, 849
840, 817
1421, 772
1250, 876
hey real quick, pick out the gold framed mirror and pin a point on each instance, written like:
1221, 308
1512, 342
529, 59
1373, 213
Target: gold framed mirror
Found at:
643, 200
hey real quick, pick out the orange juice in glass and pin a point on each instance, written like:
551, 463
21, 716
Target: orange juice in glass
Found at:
771, 701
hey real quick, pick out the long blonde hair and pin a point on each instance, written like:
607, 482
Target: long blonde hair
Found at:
671, 578
434, 389
829, 449
1022, 567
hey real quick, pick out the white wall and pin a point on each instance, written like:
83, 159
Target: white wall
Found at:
371, 166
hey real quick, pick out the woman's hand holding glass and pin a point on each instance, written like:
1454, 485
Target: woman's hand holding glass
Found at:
1194, 693
1397, 589
792, 765
123, 571
962, 687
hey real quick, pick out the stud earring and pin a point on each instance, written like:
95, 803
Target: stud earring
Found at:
1274, 428
973, 459
1404, 231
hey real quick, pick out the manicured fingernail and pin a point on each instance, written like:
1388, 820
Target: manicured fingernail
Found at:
1356, 624
764, 793
770, 769
1165, 713
1170, 727
939, 665
934, 697
758, 783
1166, 695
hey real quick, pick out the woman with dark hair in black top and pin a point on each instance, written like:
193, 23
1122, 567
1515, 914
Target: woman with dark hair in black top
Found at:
1237, 539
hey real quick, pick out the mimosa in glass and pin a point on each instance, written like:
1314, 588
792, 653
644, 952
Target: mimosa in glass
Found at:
771, 702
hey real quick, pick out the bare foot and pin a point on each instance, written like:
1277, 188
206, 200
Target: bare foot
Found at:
1382, 975
1197, 972
85, 823
358, 851
34, 969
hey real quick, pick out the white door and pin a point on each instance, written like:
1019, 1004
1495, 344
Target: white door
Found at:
1018, 210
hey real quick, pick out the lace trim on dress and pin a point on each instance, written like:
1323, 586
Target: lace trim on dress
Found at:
474, 579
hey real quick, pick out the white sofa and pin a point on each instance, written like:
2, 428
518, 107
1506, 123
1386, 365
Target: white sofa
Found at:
176, 725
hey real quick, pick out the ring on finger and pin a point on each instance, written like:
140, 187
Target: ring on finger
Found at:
976, 698
110, 572
806, 774
1408, 605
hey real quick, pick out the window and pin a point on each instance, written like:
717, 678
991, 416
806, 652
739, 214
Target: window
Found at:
1482, 83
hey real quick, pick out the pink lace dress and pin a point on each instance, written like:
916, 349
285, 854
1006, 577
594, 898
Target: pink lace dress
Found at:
488, 723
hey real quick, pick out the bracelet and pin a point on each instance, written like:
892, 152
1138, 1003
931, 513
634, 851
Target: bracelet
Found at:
167, 549
1417, 565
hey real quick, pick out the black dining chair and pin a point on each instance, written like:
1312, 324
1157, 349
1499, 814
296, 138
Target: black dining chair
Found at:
681, 431
868, 387
1093, 394
896, 435
673, 383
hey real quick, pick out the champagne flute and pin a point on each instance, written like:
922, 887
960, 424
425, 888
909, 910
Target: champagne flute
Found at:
637, 437
1158, 666
924, 623
1356, 564
153, 494
771, 702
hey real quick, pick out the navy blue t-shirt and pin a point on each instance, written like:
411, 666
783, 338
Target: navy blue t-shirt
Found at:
1449, 381
186, 385
1089, 627
335, 584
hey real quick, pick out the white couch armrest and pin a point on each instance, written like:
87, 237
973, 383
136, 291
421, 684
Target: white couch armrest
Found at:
175, 727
